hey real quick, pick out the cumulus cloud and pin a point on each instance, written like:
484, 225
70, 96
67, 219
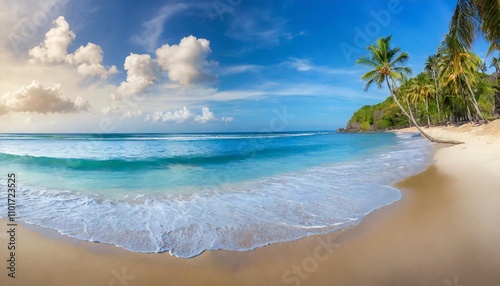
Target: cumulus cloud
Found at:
89, 61
53, 50
206, 115
142, 71
186, 63
39, 99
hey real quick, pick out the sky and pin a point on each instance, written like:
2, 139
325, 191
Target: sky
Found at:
103, 66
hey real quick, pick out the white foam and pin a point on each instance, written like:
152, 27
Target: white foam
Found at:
240, 217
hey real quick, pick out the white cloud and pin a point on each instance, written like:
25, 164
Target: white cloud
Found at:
89, 61
240, 69
206, 116
29, 119
227, 119
39, 99
154, 27
186, 63
284, 89
21, 22
178, 116
53, 50
301, 64
261, 28
142, 71
122, 109
305, 65
184, 115
132, 114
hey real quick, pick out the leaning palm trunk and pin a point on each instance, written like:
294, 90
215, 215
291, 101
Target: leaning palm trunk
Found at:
427, 136
409, 109
474, 102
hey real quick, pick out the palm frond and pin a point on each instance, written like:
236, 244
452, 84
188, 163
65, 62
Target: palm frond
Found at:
404, 71
370, 77
365, 61
401, 59
489, 15
463, 26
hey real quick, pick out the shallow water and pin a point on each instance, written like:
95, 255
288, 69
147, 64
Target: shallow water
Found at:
187, 193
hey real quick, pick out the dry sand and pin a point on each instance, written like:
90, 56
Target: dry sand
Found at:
444, 231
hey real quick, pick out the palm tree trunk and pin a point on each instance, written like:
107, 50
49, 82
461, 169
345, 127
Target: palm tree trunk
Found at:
466, 102
437, 96
439, 109
417, 112
409, 109
474, 102
427, 136
427, 110
453, 112
469, 115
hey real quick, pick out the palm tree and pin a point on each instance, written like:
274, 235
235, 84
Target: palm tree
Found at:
423, 90
495, 62
460, 69
471, 16
432, 66
403, 92
385, 64
483, 67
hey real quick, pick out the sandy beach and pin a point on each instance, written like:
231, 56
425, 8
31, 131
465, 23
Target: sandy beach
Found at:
444, 231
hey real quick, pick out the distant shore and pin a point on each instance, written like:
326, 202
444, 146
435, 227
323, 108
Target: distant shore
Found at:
444, 231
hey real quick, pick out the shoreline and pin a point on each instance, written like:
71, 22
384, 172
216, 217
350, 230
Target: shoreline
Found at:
441, 230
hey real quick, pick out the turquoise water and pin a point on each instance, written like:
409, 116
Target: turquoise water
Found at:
187, 193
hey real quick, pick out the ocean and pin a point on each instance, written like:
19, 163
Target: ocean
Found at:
187, 193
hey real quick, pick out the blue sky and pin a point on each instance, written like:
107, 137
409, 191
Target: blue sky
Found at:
200, 66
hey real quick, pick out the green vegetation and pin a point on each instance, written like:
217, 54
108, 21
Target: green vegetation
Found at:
382, 116
388, 116
453, 87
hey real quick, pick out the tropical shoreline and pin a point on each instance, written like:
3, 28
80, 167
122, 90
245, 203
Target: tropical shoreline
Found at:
443, 230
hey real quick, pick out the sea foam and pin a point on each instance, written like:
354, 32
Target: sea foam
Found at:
239, 215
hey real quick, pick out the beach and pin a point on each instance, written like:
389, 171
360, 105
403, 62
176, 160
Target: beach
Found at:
444, 231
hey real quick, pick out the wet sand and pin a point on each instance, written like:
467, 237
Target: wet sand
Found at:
444, 231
